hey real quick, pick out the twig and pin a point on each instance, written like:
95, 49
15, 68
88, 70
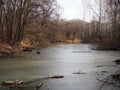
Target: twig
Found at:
106, 65
105, 81
79, 72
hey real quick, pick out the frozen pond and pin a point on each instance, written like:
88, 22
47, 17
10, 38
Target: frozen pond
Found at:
61, 59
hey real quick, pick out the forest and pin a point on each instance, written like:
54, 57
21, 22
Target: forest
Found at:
39, 22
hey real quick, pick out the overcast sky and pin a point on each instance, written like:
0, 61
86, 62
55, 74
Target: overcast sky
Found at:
73, 9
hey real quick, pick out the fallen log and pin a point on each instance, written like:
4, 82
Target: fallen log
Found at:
39, 85
6, 83
22, 82
56, 77
10, 83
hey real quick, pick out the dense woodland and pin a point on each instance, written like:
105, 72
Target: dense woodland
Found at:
39, 22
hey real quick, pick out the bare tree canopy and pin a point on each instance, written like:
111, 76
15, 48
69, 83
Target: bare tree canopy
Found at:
15, 15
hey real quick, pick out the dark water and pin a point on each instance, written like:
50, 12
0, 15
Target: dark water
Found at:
61, 59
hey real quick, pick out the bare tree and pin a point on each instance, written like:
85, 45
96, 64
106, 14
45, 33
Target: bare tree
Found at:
17, 14
113, 13
1, 19
96, 6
